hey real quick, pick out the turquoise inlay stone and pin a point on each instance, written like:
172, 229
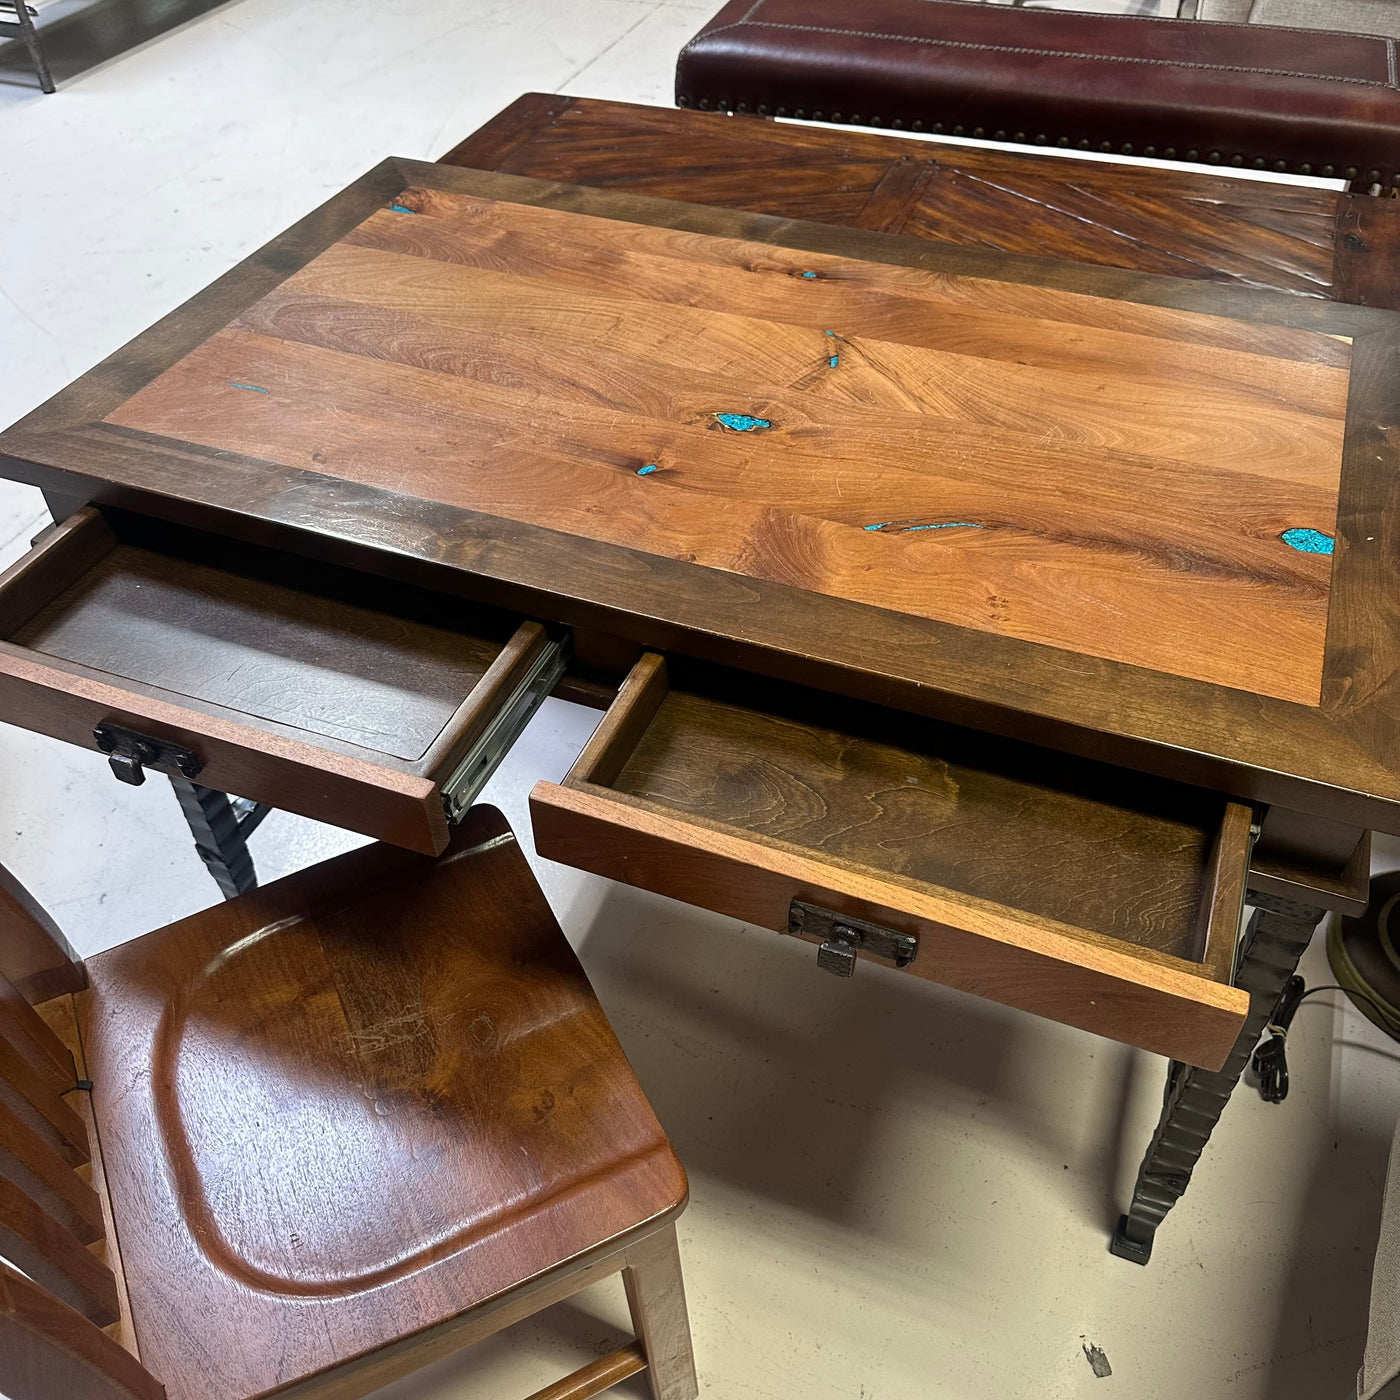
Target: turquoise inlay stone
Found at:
1308, 541
834, 361
896, 527
809, 275
402, 209
252, 388
742, 422
646, 470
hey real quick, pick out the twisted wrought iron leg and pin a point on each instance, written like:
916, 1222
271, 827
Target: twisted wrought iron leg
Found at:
1278, 932
221, 826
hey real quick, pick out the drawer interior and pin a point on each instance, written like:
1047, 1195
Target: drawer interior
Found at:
1085, 844
1078, 891
329, 655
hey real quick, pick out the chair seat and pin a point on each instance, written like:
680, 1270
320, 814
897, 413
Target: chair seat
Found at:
354, 1105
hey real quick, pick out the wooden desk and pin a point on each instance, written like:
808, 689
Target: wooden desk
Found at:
1086, 510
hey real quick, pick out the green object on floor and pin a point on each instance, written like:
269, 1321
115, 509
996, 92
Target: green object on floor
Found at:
1365, 955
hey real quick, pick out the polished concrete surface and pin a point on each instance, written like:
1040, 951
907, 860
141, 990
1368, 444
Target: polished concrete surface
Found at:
897, 1191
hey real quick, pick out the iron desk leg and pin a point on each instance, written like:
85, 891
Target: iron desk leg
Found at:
25, 23
1278, 932
221, 826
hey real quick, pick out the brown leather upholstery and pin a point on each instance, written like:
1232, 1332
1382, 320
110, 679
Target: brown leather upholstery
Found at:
1310, 101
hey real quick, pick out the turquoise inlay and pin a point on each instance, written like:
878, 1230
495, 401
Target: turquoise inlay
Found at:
255, 388
1308, 541
896, 527
646, 470
834, 361
809, 275
402, 209
832, 334
742, 422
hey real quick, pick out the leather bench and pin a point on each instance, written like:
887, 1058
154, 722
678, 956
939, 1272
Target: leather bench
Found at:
1307, 101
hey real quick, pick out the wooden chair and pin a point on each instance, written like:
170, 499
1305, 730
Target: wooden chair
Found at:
339, 1127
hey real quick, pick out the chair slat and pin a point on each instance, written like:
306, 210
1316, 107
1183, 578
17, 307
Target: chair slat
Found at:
32, 1240
43, 1176
32, 1096
32, 1036
48, 1352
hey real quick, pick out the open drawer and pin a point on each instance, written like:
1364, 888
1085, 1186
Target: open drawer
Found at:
1097, 897
348, 698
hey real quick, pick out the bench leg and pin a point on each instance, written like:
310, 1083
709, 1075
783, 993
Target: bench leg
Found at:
656, 1295
1278, 933
30, 37
221, 826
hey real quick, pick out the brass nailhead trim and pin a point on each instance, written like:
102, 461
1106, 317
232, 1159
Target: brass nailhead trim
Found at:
1350, 172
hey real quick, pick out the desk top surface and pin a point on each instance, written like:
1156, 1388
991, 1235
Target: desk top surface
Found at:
1129, 516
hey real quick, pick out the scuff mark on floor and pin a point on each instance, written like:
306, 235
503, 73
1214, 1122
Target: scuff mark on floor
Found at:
1097, 1359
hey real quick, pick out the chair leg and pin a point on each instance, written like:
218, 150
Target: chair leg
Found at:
656, 1295
1278, 932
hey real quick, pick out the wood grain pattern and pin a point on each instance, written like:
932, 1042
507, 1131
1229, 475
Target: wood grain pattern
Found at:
1136, 996
1219, 228
577, 374
425, 1112
1335, 760
924, 804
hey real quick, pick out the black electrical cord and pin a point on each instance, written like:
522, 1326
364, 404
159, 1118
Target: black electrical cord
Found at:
1271, 1058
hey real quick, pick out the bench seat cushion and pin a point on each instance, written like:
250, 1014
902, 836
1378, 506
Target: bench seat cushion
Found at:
1309, 101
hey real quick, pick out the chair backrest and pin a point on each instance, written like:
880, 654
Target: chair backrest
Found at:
52, 1346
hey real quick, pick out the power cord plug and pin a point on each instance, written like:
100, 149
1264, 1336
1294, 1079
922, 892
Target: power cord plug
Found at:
1271, 1058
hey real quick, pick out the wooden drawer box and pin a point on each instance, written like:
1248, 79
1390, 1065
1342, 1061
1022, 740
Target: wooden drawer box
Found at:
1097, 897
343, 697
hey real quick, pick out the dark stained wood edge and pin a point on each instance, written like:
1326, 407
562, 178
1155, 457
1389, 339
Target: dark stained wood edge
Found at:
605, 754
526, 119
1294, 756
110, 1372
1226, 878
60, 557
1346, 891
121, 374
598, 1376
1098, 984
498, 683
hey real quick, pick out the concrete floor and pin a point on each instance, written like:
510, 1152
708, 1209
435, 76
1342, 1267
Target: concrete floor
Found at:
898, 1191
